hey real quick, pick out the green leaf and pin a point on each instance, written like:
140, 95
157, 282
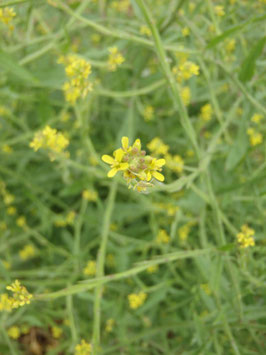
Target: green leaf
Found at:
247, 69
238, 150
9, 64
225, 34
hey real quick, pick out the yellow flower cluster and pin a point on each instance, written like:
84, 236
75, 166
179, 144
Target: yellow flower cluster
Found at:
185, 70
230, 45
185, 95
138, 168
173, 162
21, 222
162, 237
148, 113
219, 10
185, 31
20, 297
77, 70
206, 112
56, 332
169, 208
152, 269
183, 231
90, 269
206, 288
121, 5
83, 348
109, 325
256, 118
27, 252
51, 140
255, 137
67, 220
245, 238
115, 58
6, 16
136, 299
90, 195
144, 30
14, 332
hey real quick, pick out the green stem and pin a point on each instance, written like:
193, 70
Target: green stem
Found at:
100, 265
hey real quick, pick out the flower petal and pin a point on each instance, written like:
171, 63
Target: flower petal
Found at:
160, 162
112, 172
137, 144
108, 159
124, 141
123, 166
158, 176
119, 153
148, 176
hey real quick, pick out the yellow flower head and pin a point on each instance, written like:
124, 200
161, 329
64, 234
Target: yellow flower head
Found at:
77, 70
185, 31
109, 325
162, 237
90, 269
183, 232
219, 10
185, 71
245, 238
148, 113
115, 58
57, 332
83, 348
255, 137
14, 332
138, 168
256, 118
175, 163
20, 296
5, 303
6, 16
206, 112
90, 195
27, 252
136, 299
144, 30
121, 5
51, 140
157, 146
153, 268
186, 95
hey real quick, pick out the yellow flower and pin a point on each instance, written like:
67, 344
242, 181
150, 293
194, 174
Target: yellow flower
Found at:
21, 221
14, 332
136, 299
11, 210
6, 16
5, 303
121, 5
175, 163
157, 147
116, 162
7, 149
255, 137
27, 252
230, 45
109, 325
183, 232
186, 95
219, 10
185, 71
77, 70
185, 31
20, 296
256, 118
153, 268
206, 112
139, 168
245, 238
57, 332
90, 269
51, 140
154, 166
83, 348
162, 237
115, 58
144, 30
90, 195
8, 198
148, 113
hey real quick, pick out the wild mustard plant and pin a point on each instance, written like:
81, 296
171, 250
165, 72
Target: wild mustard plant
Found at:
27, 252
148, 113
115, 58
206, 112
109, 325
162, 237
90, 195
144, 30
7, 14
20, 296
90, 268
184, 71
83, 348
